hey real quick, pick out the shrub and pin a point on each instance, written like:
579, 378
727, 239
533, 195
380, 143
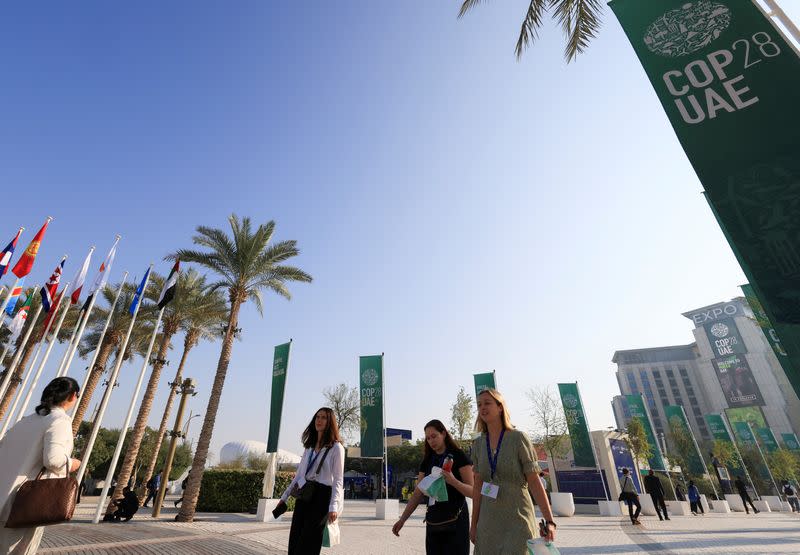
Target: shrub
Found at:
237, 491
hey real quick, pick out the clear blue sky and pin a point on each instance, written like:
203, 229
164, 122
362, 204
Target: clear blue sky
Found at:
459, 210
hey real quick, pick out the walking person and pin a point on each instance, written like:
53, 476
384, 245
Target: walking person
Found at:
694, 499
506, 477
447, 522
183, 491
630, 497
153, 485
653, 486
40, 440
742, 489
791, 496
318, 485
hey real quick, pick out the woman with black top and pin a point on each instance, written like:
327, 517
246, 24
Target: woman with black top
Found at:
318, 486
447, 530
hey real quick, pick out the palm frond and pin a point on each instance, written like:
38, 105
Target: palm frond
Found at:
529, 31
467, 6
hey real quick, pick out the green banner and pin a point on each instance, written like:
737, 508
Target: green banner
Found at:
766, 326
679, 426
576, 422
637, 410
370, 374
484, 381
729, 83
280, 363
744, 434
717, 427
790, 442
724, 337
768, 441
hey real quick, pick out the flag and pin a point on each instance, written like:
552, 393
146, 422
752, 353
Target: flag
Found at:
25, 263
139, 292
168, 293
80, 277
15, 293
102, 275
52, 313
18, 322
5, 256
48, 292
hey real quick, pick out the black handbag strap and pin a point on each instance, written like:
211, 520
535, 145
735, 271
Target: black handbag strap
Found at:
322, 460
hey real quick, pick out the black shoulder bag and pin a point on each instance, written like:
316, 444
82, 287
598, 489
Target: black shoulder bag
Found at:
307, 491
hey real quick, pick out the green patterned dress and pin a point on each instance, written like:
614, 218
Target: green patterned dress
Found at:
505, 524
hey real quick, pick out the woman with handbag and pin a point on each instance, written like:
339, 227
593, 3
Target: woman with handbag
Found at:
630, 497
39, 444
447, 522
318, 486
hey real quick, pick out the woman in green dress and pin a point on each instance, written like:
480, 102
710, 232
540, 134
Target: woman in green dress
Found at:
505, 471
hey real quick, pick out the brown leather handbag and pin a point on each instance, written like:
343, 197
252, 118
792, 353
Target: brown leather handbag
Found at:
41, 502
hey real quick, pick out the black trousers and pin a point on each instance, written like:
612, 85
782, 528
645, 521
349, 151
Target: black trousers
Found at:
661, 507
745, 500
696, 507
308, 522
632, 500
450, 541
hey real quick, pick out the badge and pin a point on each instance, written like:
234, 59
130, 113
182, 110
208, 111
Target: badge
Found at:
490, 490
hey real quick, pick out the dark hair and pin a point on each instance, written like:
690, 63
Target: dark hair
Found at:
329, 436
624, 470
449, 442
55, 393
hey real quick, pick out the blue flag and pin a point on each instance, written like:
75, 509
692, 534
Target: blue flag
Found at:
15, 294
139, 292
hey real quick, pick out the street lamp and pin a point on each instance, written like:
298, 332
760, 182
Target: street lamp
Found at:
185, 432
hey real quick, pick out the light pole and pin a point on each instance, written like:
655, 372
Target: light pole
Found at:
186, 426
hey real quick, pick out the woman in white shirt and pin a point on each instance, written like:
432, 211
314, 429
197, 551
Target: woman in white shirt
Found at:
318, 486
40, 440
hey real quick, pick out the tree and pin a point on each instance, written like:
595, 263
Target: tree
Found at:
344, 402
637, 442
784, 465
550, 427
682, 446
461, 413
246, 265
579, 19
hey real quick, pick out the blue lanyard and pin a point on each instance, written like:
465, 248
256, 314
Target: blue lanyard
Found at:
493, 460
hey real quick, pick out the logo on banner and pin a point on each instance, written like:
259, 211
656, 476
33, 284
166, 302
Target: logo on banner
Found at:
746, 435
691, 27
719, 330
369, 377
570, 400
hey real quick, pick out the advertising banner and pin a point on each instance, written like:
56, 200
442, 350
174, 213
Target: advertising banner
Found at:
766, 327
728, 83
724, 337
576, 422
790, 442
767, 438
676, 418
484, 381
716, 425
737, 381
623, 459
280, 363
744, 434
371, 394
638, 410
752, 415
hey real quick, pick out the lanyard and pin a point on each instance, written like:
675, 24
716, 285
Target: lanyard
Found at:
311, 459
493, 460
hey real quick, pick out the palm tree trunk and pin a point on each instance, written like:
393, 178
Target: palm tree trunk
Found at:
141, 423
192, 492
162, 429
13, 384
94, 377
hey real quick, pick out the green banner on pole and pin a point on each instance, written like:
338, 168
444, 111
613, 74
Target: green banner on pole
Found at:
716, 425
682, 432
638, 410
371, 393
484, 381
729, 82
790, 442
576, 422
768, 441
744, 434
766, 326
280, 363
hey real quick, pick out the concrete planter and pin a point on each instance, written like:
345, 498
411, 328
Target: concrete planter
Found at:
387, 509
735, 503
786, 507
562, 504
718, 506
648, 508
775, 503
609, 508
762, 506
265, 508
704, 503
678, 508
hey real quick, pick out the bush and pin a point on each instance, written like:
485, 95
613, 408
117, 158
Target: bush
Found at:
237, 491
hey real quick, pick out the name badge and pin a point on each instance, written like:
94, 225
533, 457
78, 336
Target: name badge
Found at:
490, 490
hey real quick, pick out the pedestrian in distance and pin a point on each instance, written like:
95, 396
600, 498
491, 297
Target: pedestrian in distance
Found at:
653, 486
791, 496
742, 489
543, 480
183, 491
506, 477
318, 485
153, 485
42, 440
447, 522
679, 494
694, 499
630, 497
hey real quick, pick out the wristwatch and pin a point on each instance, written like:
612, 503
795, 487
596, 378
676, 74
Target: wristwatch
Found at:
550, 522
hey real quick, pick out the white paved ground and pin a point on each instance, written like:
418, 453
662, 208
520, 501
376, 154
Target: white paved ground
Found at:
771, 533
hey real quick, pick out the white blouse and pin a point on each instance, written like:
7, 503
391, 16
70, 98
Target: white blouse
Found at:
331, 474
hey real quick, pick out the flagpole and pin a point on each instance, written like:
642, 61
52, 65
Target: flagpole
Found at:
81, 316
18, 354
699, 453
87, 451
99, 341
124, 430
42, 364
8, 295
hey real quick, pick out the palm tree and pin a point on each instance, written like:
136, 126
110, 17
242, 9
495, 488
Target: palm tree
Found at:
190, 294
207, 316
246, 264
580, 20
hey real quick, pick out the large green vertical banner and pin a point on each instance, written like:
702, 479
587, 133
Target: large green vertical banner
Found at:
484, 381
638, 410
768, 441
729, 84
677, 423
766, 326
716, 425
576, 422
790, 442
370, 374
280, 363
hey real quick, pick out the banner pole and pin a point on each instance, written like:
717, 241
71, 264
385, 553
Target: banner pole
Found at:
738, 453
383, 408
606, 492
31, 323
697, 448
763, 459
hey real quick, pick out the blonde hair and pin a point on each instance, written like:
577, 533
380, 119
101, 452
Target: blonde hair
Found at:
480, 425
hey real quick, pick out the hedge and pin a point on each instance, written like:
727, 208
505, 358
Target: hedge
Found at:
237, 491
